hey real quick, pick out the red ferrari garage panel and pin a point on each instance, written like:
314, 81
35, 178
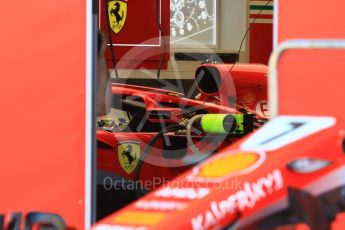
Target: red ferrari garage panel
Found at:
42, 96
260, 37
260, 43
135, 33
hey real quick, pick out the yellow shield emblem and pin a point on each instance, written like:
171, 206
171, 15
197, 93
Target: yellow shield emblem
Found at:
129, 155
117, 11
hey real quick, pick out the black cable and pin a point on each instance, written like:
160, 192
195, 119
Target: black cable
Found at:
249, 28
159, 23
111, 40
148, 149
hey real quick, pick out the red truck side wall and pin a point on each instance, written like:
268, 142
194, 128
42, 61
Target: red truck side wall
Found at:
42, 101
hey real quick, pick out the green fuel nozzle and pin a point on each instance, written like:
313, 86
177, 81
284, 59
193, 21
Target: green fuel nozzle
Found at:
226, 123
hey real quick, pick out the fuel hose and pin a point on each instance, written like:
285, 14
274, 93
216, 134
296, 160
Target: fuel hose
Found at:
210, 123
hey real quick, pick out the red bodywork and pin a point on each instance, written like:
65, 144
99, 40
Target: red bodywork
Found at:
243, 87
248, 82
154, 99
241, 198
291, 170
163, 163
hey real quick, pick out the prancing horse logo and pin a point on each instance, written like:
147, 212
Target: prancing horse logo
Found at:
129, 154
117, 11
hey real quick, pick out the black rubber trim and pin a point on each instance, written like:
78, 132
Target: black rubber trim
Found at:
221, 57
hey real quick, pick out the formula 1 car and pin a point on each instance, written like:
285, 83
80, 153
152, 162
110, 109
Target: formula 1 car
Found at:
145, 140
262, 183
289, 174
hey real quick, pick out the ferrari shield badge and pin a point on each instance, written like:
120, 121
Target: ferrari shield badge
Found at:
129, 155
117, 11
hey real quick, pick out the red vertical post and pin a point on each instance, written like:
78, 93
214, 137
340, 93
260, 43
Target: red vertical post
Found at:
42, 100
